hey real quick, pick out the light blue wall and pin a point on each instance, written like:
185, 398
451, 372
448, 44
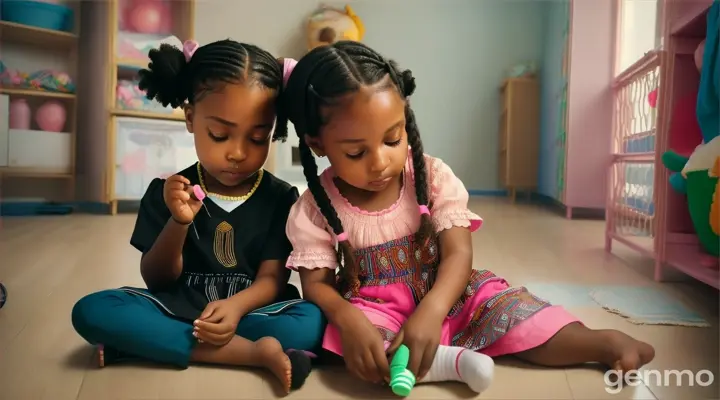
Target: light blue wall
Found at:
458, 51
551, 85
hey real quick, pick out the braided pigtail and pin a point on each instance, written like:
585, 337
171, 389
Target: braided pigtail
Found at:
281, 116
346, 259
422, 193
406, 84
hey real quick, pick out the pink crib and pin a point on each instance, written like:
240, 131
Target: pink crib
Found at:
642, 210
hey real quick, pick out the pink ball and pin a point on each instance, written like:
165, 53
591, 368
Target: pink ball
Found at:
51, 116
147, 16
652, 98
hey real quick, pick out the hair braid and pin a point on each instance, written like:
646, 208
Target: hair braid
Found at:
323, 202
422, 194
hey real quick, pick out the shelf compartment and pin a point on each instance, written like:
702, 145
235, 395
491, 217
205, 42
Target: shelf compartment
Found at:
54, 156
635, 116
683, 253
41, 173
30, 35
148, 149
36, 93
132, 63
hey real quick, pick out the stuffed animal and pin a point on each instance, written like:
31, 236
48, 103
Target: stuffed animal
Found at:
700, 173
329, 25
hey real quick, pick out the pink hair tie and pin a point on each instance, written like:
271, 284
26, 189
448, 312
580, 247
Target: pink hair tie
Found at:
424, 210
288, 67
189, 48
342, 237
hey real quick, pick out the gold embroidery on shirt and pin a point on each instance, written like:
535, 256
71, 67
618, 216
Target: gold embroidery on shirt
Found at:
224, 246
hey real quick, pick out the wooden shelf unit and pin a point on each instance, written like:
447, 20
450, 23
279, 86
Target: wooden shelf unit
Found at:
519, 136
668, 234
105, 25
40, 40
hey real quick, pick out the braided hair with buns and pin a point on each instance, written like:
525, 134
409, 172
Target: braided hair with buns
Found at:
320, 79
175, 77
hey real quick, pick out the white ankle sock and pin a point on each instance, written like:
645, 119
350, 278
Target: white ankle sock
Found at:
461, 365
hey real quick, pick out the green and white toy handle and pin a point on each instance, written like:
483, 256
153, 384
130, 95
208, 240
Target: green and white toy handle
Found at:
402, 380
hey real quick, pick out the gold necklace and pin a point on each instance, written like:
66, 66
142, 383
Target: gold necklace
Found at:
230, 198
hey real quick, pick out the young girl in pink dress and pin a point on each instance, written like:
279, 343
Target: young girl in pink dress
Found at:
399, 221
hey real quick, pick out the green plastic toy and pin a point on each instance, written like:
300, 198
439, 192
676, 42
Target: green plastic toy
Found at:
401, 379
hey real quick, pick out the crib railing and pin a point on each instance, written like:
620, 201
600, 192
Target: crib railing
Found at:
631, 201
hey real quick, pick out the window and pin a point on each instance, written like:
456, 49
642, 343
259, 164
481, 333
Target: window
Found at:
640, 31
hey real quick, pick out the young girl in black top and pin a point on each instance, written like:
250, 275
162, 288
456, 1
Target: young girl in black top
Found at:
212, 237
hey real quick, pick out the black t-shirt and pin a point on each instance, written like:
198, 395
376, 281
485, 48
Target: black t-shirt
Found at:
224, 256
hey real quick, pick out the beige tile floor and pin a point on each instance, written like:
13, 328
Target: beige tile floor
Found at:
48, 263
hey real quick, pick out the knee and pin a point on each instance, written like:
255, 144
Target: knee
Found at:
88, 313
311, 314
312, 323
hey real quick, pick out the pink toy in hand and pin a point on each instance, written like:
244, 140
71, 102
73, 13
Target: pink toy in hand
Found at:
199, 193
51, 116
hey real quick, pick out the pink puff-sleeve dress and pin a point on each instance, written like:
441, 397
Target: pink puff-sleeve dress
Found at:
396, 272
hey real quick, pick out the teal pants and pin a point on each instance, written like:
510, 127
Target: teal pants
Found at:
134, 325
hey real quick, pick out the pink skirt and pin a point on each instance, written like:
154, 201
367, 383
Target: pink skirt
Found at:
493, 319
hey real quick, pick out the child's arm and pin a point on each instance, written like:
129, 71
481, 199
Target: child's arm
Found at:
314, 256
163, 263
319, 288
453, 271
454, 222
159, 238
272, 276
362, 345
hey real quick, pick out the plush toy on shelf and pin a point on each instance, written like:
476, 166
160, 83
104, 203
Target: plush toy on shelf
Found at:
696, 175
715, 205
329, 25
700, 173
677, 180
47, 80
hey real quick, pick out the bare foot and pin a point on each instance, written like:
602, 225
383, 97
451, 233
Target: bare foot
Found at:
625, 353
274, 358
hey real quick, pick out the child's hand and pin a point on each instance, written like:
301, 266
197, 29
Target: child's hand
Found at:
217, 324
421, 334
177, 193
363, 347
